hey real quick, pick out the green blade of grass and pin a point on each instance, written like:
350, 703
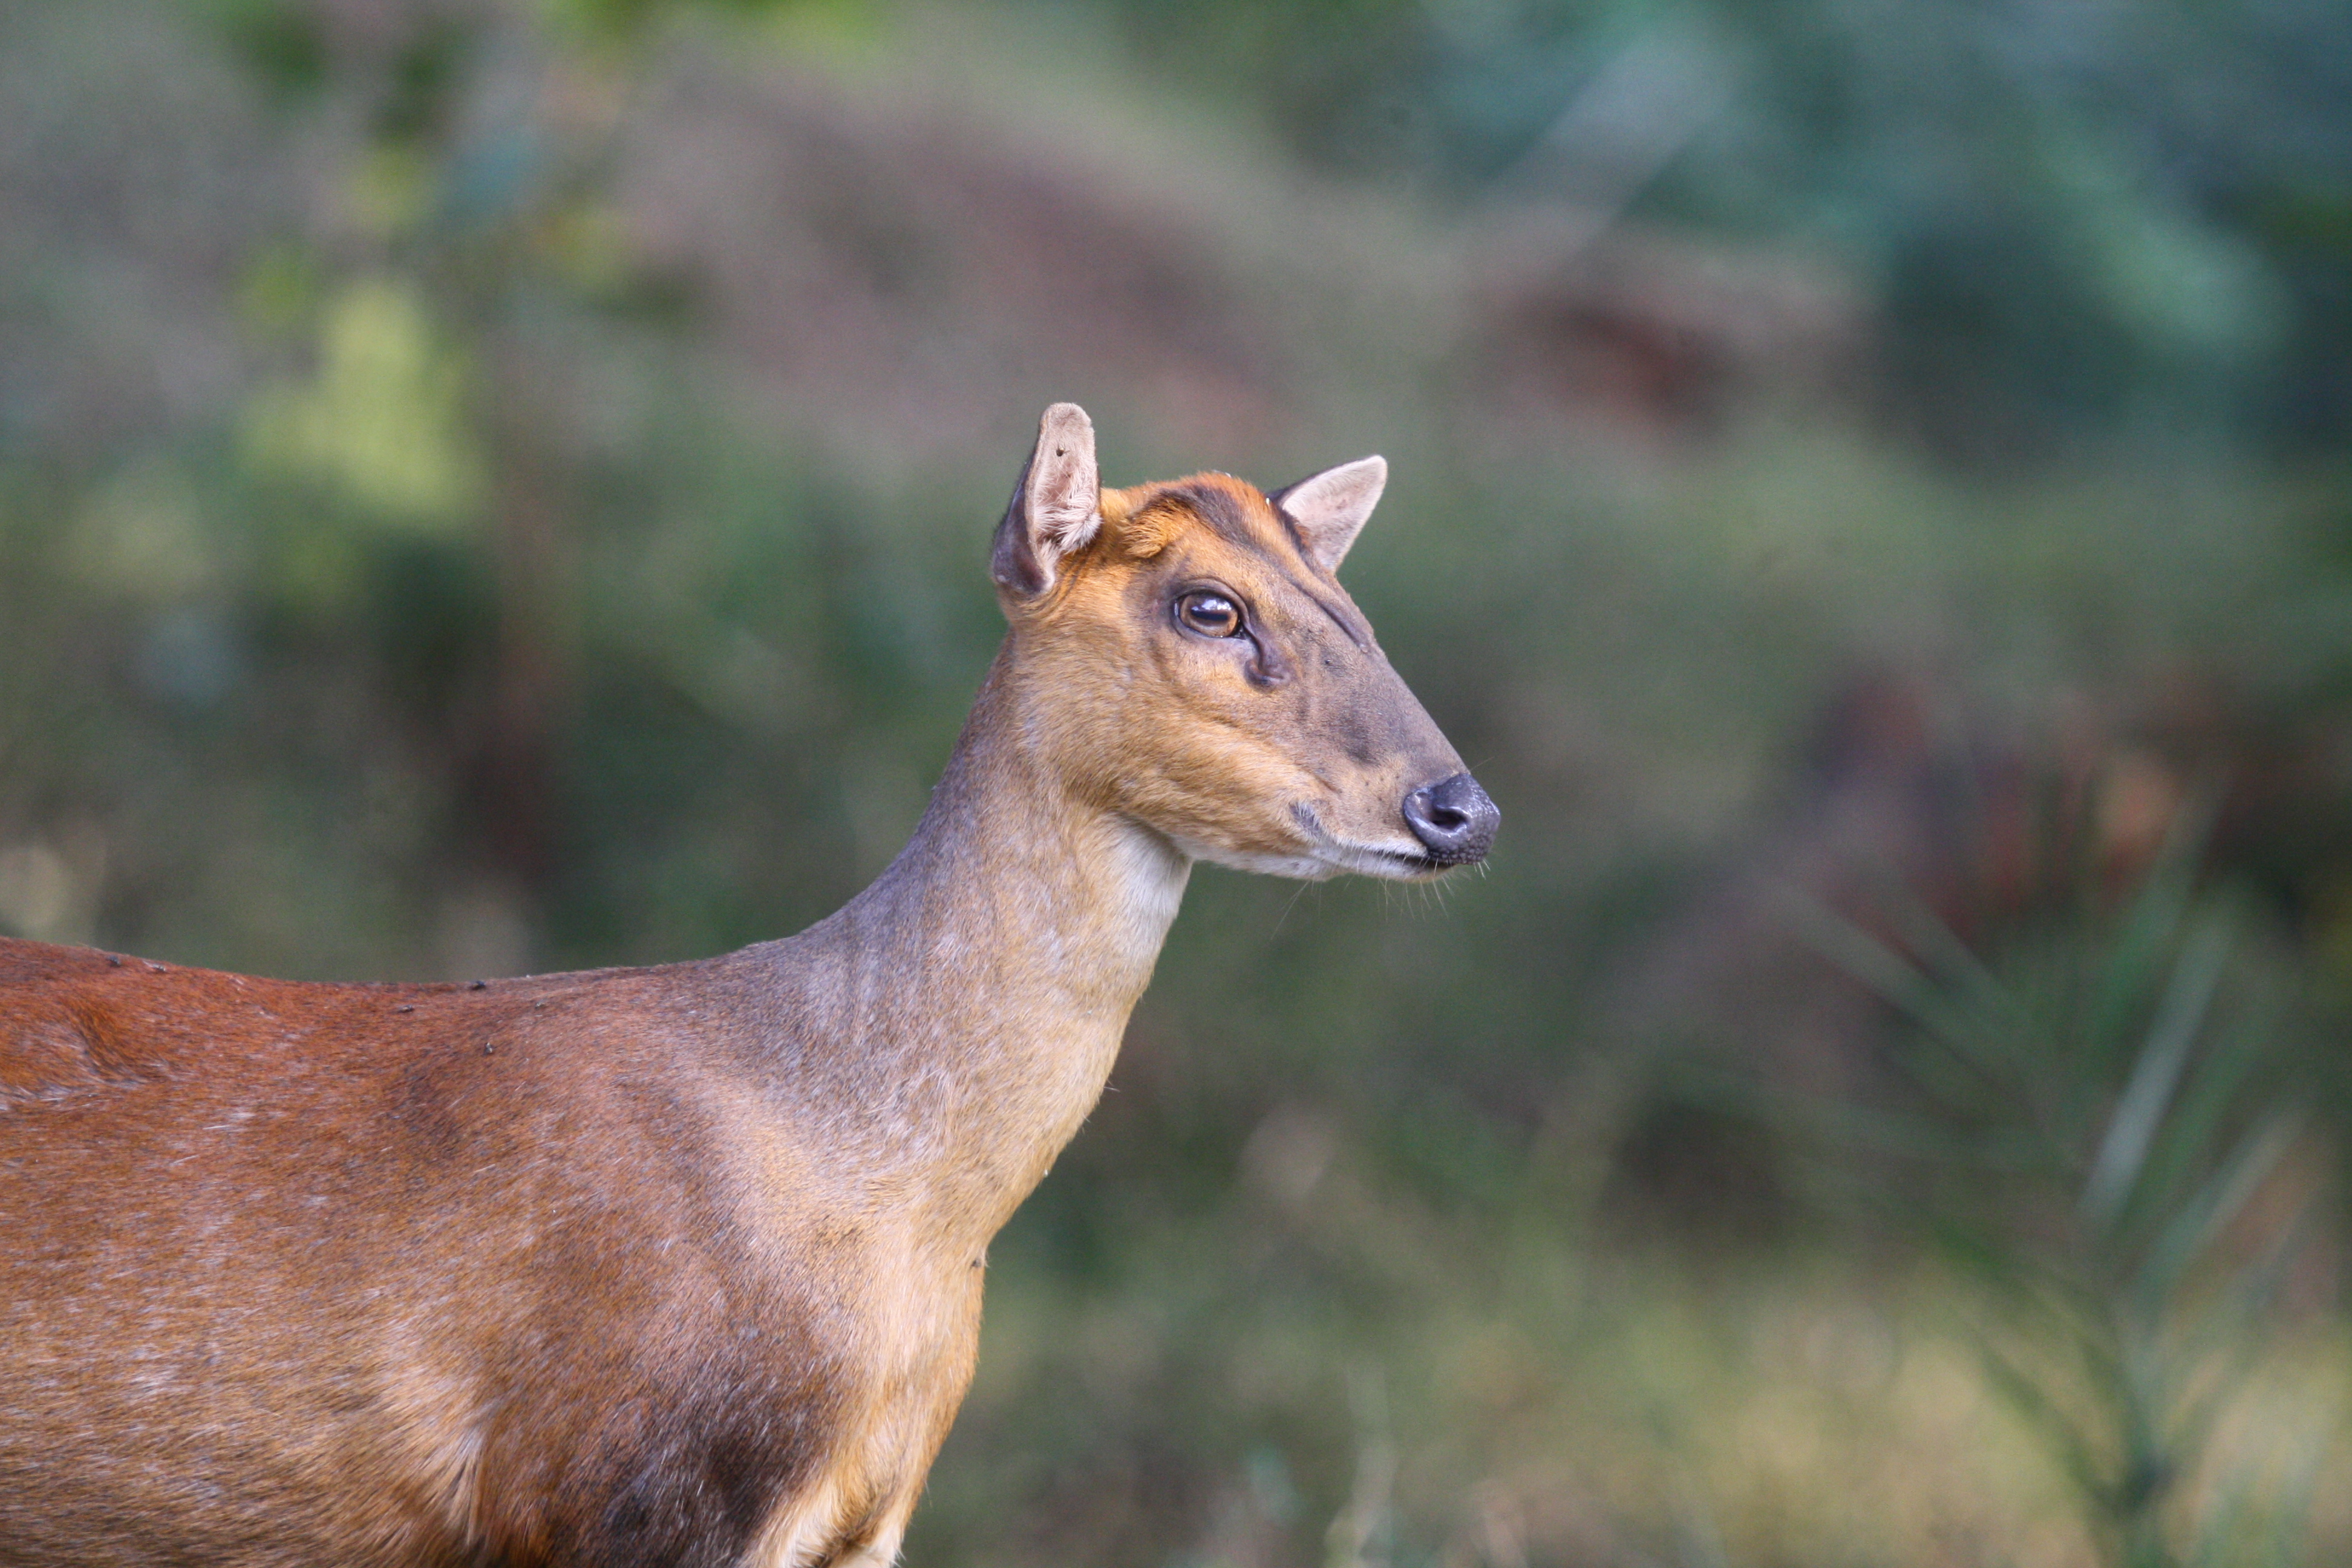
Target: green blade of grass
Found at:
1901, 984
2163, 901
2180, 1016
2076, 1455
2186, 1142
2185, 1237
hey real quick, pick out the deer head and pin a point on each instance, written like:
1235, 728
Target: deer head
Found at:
1190, 662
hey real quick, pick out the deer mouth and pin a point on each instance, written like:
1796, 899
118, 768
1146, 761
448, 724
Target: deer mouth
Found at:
1397, 865
1393, 862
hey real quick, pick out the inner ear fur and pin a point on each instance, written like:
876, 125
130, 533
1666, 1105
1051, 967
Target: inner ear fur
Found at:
1141, 521
1330, 509
1057, 507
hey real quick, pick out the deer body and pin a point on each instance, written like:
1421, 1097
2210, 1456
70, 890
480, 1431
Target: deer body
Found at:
668, 1266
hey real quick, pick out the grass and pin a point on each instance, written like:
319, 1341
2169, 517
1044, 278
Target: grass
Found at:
2104, 1131
1624, 1406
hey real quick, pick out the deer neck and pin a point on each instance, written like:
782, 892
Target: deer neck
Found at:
954, 1023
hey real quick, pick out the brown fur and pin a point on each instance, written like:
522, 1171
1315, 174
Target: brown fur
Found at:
672, 1265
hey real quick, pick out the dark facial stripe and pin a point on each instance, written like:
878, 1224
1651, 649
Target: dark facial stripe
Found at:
1338, 619
1220, 511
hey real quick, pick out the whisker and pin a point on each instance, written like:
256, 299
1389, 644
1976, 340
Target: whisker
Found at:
1296, 894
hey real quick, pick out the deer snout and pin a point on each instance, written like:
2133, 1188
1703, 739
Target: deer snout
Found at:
1454, 818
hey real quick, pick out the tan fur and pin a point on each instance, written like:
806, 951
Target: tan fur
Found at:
666, 1265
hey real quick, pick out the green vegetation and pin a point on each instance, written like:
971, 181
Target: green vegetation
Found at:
2108, 1112
489, 486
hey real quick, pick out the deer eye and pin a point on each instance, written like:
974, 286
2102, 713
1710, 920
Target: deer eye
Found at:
1209, 613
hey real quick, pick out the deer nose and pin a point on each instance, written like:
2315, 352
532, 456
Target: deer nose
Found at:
1454, 819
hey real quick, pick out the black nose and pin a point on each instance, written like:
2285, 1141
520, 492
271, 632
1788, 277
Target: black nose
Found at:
1454, 818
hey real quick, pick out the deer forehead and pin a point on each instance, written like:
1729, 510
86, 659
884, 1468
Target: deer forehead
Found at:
1223, 516
1209, 530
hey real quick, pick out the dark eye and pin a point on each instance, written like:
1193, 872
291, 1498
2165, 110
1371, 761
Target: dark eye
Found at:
1210, 613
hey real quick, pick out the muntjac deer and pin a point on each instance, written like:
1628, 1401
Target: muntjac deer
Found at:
681, 1265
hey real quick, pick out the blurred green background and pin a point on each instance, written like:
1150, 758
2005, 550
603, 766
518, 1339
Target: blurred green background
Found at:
494, 487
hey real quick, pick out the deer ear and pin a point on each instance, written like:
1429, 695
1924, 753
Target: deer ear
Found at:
1056, 508
1329, 507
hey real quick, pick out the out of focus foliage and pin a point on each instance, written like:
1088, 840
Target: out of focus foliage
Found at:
490, 486
2076, 215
